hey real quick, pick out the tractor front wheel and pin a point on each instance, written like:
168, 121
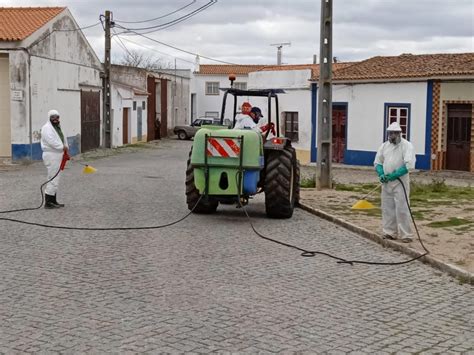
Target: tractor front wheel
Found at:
193, 195
281, 183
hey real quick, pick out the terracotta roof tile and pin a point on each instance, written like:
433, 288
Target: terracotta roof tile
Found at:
314, 67
211, 69
409, 66
17, 23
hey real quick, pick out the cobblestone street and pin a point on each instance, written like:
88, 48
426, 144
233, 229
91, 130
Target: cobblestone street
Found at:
207, 284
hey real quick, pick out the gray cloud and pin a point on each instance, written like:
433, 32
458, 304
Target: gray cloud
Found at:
241, 31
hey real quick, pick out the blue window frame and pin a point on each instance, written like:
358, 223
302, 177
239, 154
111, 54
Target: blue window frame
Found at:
397, 112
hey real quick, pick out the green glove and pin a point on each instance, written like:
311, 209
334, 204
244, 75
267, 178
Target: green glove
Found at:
380, 173
397, 173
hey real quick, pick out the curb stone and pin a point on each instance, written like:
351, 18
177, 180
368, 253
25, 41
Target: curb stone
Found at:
427, 259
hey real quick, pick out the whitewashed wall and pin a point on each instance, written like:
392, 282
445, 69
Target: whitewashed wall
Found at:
213, 103
366, 105
52, 74
297, 98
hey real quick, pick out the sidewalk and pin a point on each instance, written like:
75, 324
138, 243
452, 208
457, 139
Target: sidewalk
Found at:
451, 251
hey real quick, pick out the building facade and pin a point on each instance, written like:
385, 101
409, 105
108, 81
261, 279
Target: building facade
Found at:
46, 63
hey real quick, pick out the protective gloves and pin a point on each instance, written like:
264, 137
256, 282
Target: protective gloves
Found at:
397, 173
380, 173
268, 126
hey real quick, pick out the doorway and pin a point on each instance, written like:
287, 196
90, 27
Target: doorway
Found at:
459, 137
90, 120
5, 120
339, 119
125, 122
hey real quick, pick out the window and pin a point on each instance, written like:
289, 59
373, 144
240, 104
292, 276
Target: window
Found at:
398, 113
212, 88
134, 105
291, 125
212, 114
240, 85
143, 105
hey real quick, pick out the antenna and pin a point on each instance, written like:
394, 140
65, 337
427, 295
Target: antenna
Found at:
279, 47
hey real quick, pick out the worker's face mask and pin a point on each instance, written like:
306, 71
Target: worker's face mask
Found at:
54, 120
394, 137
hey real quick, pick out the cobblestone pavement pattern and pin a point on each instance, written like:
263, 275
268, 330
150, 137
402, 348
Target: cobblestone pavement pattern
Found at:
207, 284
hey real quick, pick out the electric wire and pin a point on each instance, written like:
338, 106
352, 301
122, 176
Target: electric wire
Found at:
120, 43
160, 17
154, 50
66, 30
170, 23
183, 50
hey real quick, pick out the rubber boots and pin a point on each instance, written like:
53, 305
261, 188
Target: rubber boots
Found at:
50, 202
57, 203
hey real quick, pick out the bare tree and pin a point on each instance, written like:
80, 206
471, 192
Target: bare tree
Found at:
143, 60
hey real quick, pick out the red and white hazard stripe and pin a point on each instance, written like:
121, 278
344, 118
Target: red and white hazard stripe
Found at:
223, 147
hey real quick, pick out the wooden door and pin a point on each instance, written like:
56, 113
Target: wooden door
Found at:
139, 123
164, 108
339, 118
90, 120
459, 137
126, 111
151, 113
5, 120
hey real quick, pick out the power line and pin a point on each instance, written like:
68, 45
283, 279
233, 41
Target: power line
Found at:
160, 17
80, 28
120, 43
179, 19
167, 24
183, 50
155, 50
69, 30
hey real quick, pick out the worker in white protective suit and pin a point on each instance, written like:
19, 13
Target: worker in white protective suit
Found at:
54, 146
393, 161
251, 121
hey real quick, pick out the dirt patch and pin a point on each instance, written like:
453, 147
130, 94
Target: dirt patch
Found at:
446, 227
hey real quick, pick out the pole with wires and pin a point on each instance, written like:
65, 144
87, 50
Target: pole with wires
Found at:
107, 141
324, 157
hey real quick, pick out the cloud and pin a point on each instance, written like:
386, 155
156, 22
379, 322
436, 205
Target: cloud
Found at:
241, 31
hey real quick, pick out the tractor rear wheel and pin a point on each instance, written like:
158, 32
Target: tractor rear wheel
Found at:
281, 183
193, 195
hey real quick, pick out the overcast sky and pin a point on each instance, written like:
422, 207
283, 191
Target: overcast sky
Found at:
241, 31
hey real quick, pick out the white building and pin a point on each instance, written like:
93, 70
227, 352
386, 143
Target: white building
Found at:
295, 106
431, 96
169, 99
46, 63
206, 96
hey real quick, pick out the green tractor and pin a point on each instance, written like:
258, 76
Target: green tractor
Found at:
232, 165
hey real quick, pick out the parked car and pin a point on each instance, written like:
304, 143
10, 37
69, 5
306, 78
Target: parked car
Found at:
188, 131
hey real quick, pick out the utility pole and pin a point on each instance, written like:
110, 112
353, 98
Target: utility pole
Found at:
324, 160
107, 104
279, 47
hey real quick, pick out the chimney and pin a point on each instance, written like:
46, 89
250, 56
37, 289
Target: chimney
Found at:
196, 64
315, 59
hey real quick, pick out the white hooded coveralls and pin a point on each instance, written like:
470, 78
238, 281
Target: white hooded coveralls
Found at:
246, 122
396, 220
53, 150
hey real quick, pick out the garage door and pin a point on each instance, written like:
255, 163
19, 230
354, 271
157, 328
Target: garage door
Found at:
5, 130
